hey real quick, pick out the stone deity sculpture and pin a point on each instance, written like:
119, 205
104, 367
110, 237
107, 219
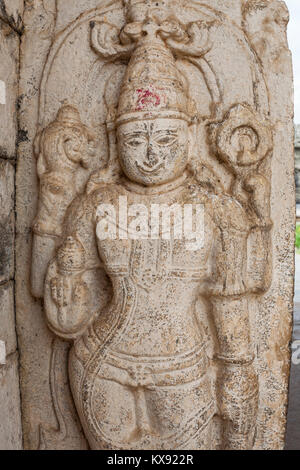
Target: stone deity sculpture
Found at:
140, 370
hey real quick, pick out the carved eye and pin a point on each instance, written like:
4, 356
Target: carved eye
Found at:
166, 140
135, 142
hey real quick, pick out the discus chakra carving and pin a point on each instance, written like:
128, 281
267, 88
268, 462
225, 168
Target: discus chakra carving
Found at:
141, 373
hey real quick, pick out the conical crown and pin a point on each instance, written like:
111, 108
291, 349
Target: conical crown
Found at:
153, 86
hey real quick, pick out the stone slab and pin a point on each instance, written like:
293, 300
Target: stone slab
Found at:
7, 318
11, 11
7, 220
271, 312
9, 66
10, 413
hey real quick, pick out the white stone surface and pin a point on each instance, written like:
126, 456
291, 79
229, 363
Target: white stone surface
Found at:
9, 64
10, 413
2, 92
2, 352
7, 229
7, 318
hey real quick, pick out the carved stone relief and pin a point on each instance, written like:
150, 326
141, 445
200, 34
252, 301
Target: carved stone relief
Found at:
155, 280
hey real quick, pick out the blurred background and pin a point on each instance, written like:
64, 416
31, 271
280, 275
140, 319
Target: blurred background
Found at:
293, 430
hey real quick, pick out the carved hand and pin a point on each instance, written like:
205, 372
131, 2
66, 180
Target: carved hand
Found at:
61, 290
259, 188
69, 291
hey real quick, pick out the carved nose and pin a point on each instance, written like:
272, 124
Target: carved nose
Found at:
152, 159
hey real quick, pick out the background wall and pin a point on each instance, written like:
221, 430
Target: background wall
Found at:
10, 415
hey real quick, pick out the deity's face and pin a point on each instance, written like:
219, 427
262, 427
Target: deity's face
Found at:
153, 152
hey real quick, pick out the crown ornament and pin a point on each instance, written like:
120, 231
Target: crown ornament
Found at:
150, 39
153, 86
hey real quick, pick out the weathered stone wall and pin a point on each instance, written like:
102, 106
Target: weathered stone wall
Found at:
10, 415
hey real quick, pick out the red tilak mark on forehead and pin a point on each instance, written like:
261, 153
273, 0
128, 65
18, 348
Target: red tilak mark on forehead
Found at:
147, 97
